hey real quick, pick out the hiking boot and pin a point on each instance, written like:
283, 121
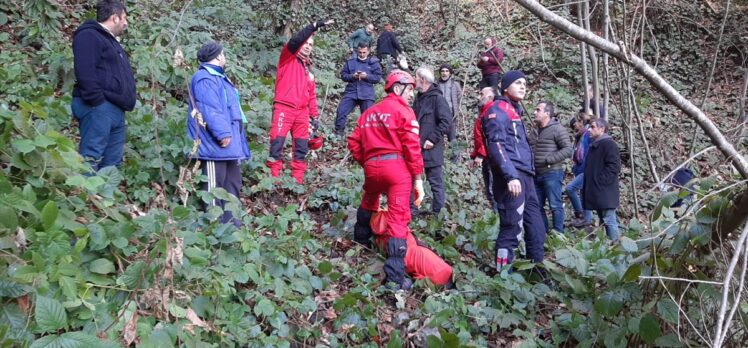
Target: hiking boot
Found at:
580, 223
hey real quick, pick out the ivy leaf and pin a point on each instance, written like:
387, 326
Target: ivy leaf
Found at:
101, 266
668, 310
50, 315
325, 267
395, 340
649, 328
434, 342
629, 245
99, 238
12, 317
609, 304
49, 215
67, 340
264, 307
8, 218
23, 146
633, 273
180, 213
669, 340
565, 258
12, 289
69, 287
131, 276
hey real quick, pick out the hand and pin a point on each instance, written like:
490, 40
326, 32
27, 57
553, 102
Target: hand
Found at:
321, 23
362, 75
485, 59
314, 122
225, 141
477, 162
515, 188
420, 193
428, 145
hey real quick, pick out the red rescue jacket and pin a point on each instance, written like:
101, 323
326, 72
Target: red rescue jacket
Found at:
387, 127
293, 76
479, 146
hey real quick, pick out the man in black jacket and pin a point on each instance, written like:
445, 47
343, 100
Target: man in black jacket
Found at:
602, 166
104, 87
434, 117
388, 48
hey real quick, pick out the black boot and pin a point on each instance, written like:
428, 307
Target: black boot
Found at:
362, 229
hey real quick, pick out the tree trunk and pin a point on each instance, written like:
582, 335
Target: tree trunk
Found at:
595, 78
585, 77
606, 36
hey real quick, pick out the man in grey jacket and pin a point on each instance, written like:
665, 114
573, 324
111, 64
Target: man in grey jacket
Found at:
452, 91
551, 145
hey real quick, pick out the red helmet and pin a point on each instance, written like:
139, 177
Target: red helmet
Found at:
316, 142
398, 76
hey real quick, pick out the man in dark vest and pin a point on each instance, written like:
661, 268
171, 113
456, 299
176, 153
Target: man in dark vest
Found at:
551, 146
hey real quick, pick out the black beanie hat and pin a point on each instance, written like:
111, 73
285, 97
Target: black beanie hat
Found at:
209, 51
446, 66
509, 78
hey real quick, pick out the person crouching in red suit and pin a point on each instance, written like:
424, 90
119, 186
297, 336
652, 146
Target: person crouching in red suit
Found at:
295, 102
386, 144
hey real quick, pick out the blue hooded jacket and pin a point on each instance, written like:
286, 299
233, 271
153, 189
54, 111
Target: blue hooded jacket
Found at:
506, 139
581, 148
218, 101
361, 89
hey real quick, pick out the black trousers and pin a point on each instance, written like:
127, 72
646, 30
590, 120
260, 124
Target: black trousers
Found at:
226, 175
491, 80
435, 178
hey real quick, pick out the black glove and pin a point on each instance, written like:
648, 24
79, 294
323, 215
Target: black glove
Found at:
394, 266
315, 124
320, 24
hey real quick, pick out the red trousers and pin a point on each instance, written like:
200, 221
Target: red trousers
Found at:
391, 178
285, 119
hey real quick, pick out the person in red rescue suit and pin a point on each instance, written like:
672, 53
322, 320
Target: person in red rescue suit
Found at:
479, 154
513, 170
386, 143
295, 102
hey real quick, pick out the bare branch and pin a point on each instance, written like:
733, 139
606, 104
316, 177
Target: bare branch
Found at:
722, 325
685, 280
